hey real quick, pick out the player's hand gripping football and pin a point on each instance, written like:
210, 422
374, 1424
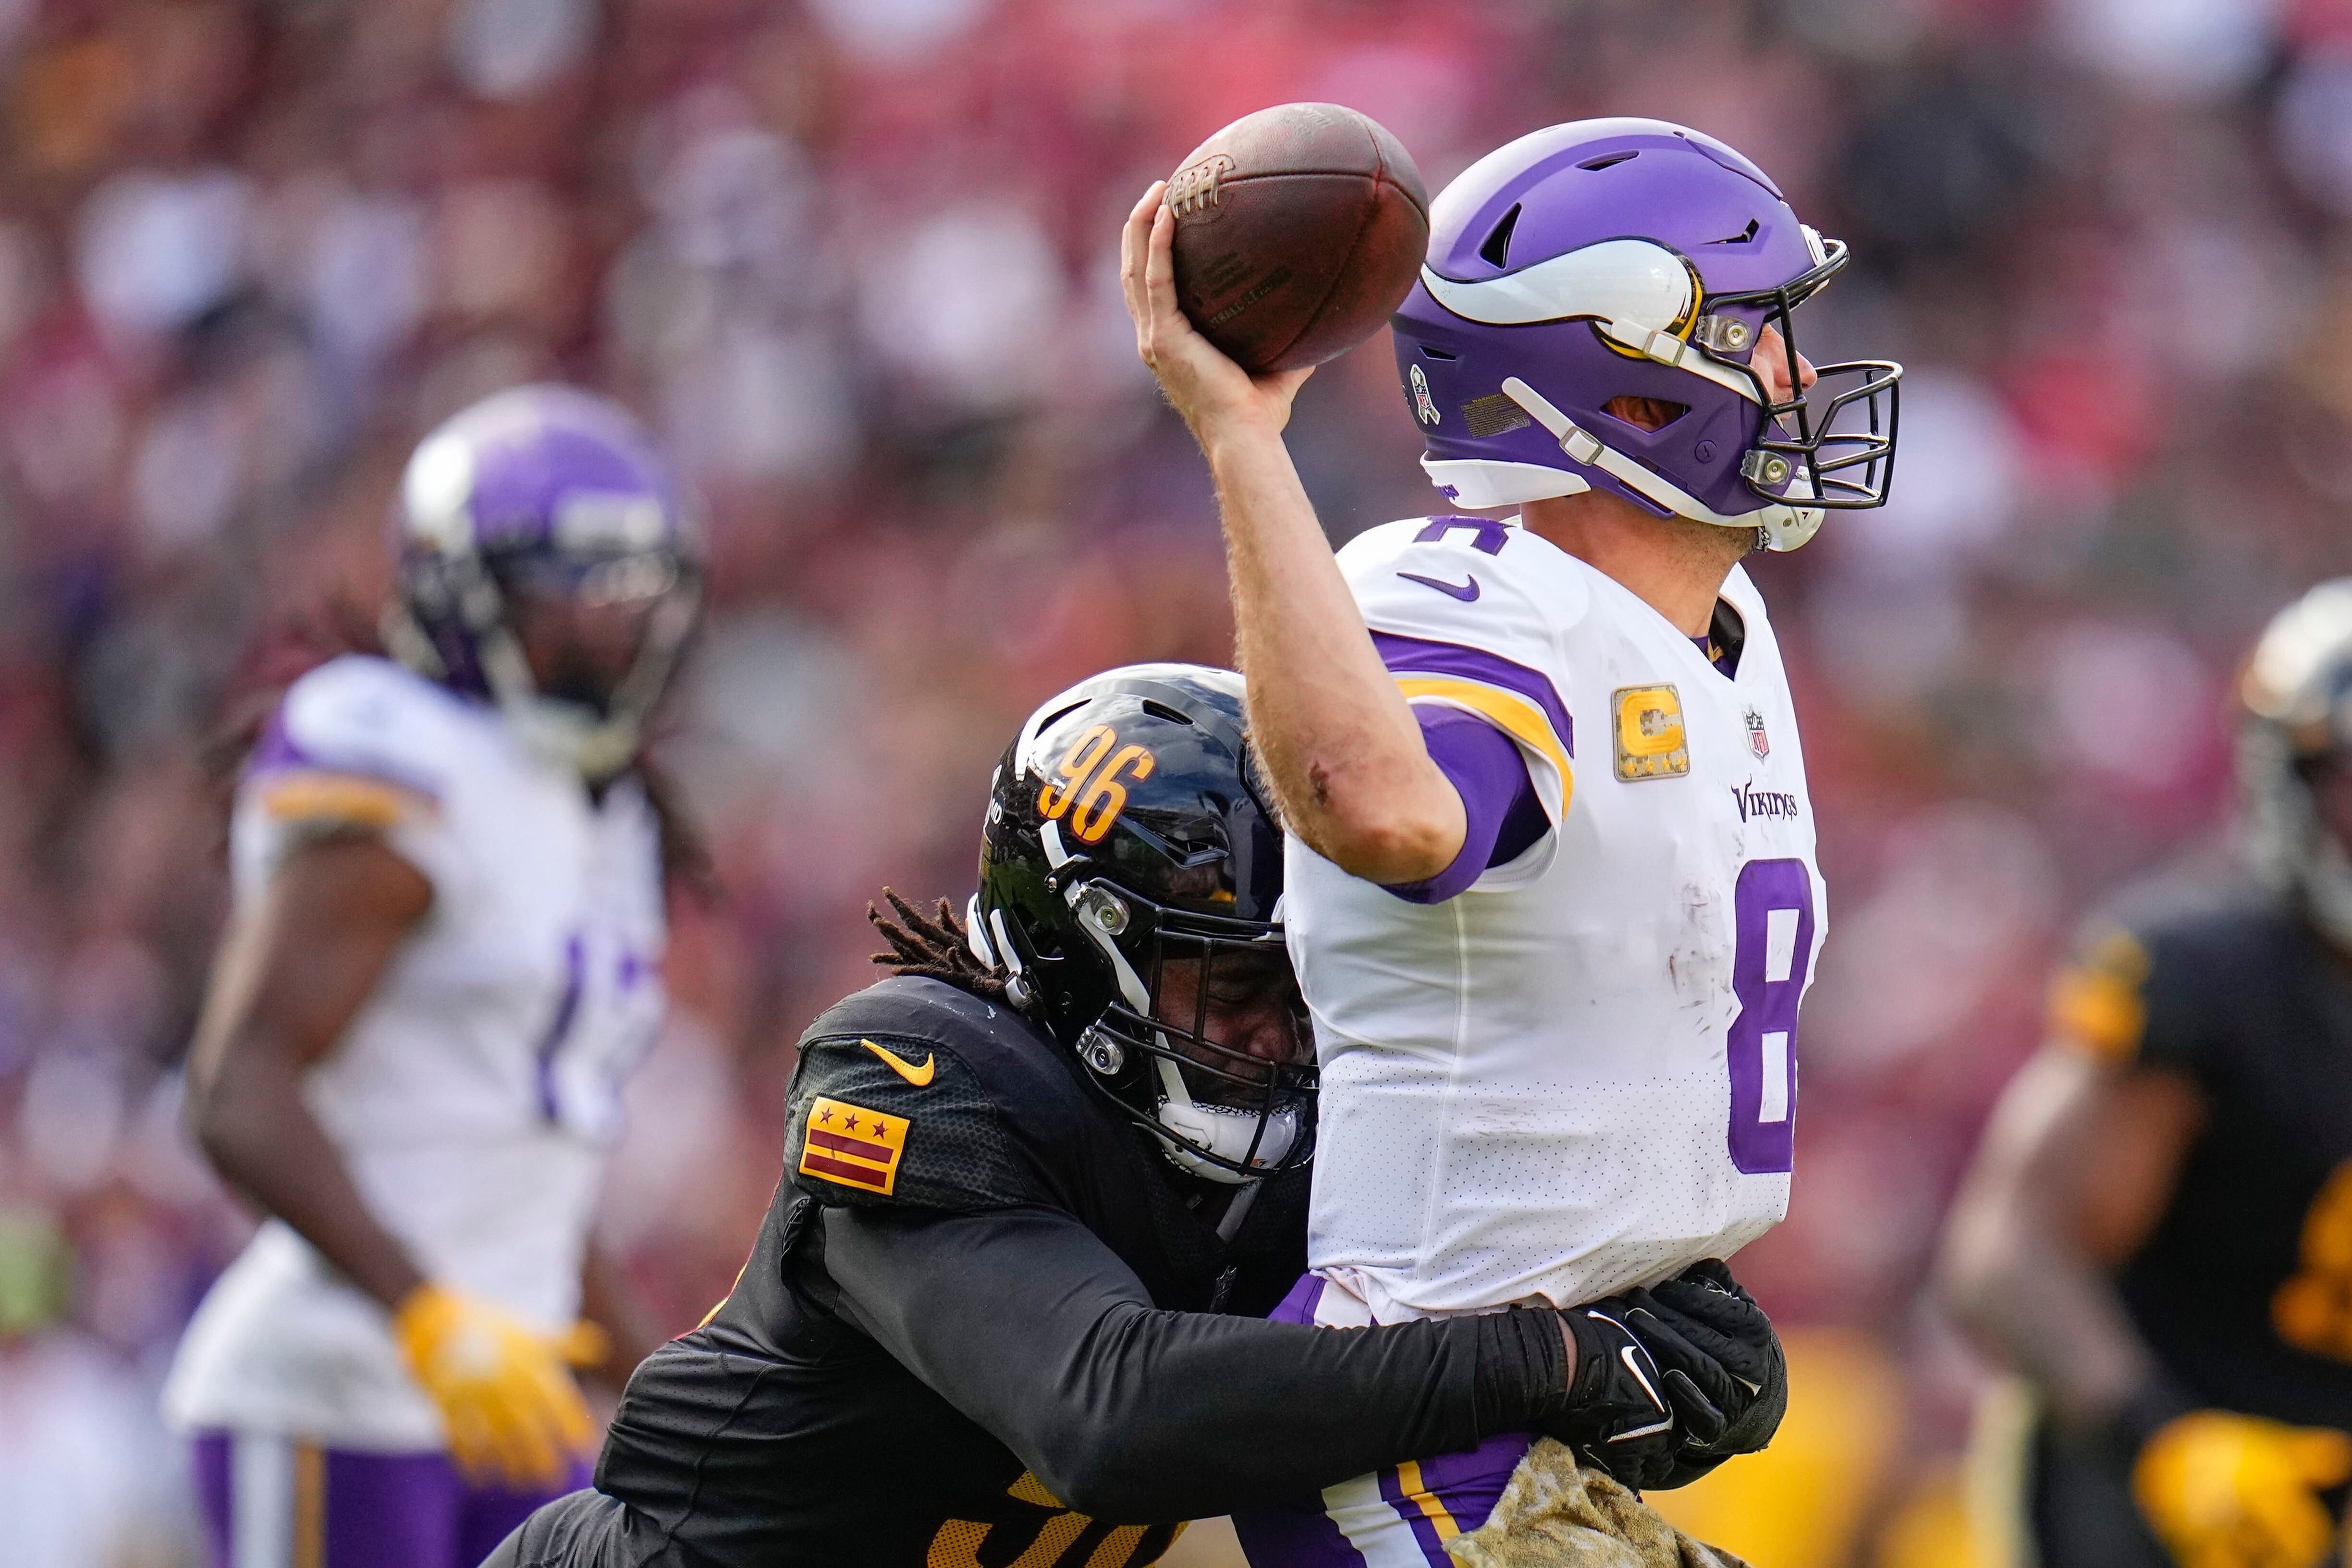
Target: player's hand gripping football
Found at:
505, 1391
1670, 1382
2223, 1491
1208, 389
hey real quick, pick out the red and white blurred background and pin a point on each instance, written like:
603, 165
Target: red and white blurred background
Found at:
854, 257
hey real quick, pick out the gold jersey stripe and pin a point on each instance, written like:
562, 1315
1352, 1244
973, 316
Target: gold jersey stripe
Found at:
1509, 712
353, 798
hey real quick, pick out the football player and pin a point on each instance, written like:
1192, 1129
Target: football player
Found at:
2158, 1233
1552, 895
1040, 1187
443, 958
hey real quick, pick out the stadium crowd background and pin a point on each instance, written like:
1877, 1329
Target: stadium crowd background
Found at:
855, 257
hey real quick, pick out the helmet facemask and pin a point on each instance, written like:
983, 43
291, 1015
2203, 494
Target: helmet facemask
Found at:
591, 720
1821, 434
1187, 985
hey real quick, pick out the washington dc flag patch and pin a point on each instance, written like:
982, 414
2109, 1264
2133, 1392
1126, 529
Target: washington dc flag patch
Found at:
852, 1146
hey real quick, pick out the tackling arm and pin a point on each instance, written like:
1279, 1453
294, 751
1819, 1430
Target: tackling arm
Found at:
1028, 1324
2077, 1166
1349, 769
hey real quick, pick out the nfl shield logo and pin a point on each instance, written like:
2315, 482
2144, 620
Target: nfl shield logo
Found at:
1757, 740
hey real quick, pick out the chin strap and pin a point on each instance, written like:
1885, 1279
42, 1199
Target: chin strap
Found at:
1781, 526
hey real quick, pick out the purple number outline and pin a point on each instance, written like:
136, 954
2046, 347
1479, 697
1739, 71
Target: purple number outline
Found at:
1766, 1007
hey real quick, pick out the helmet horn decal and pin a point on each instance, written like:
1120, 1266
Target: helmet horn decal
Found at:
1633, 283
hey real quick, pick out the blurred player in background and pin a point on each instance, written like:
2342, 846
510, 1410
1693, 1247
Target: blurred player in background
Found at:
2157, 1234
443, 959
1555, 999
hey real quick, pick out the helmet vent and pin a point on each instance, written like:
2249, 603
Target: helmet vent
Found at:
1161, 710
1608, 160
1742, 237
1496, 251
1430, 353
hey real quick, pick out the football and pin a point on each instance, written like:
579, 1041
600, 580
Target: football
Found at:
1298, 230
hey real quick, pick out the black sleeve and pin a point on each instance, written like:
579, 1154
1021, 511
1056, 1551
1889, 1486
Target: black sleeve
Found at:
1030, 1326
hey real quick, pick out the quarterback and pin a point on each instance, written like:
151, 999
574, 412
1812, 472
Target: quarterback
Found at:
441, 962
1552, 896
2157, 1234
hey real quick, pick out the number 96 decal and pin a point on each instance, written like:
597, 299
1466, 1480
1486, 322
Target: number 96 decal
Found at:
1090, 782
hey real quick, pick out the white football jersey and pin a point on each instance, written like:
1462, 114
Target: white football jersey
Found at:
1579, 1075
474, 1096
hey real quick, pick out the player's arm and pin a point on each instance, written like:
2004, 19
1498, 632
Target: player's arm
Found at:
1028, 1324
289, 981
1349, 766
2077, 1166
1024, 1320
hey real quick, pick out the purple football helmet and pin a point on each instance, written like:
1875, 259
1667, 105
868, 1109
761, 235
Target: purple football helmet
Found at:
545, 491
1632, 258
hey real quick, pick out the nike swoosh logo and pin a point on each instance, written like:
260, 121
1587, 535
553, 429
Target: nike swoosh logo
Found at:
917, 1076
1465, 592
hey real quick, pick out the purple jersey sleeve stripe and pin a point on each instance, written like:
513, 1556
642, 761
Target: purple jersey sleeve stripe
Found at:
1417, 655
1501, 815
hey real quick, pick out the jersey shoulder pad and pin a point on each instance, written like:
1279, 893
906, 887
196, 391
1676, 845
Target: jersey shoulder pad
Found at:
1458, 625
2152, 975
358, 736
914, 1093
1471, 575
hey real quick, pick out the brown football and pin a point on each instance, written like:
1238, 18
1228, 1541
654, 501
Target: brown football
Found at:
1299, 229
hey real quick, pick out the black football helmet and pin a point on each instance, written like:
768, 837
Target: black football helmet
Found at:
1131, 878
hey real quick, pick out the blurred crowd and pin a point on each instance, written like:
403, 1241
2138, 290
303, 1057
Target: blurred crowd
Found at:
855, 260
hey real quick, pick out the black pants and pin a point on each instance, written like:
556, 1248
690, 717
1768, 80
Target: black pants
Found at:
578, 1531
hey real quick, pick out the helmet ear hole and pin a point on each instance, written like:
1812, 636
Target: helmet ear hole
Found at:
1651, 413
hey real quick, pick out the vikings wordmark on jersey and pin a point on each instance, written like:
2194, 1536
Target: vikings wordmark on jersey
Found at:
1579, 1075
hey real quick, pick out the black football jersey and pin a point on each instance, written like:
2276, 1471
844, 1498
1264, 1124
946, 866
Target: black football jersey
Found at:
2244, 1289
973, 1252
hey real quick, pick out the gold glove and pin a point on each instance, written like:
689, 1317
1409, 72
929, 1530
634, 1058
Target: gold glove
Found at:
506, 1397
2238, 1491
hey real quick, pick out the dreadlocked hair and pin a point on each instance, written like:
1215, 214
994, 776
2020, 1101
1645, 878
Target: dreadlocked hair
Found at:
934, 946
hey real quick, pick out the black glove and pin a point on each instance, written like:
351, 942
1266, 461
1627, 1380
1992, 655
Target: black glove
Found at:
1739, 1365
1632, 1403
